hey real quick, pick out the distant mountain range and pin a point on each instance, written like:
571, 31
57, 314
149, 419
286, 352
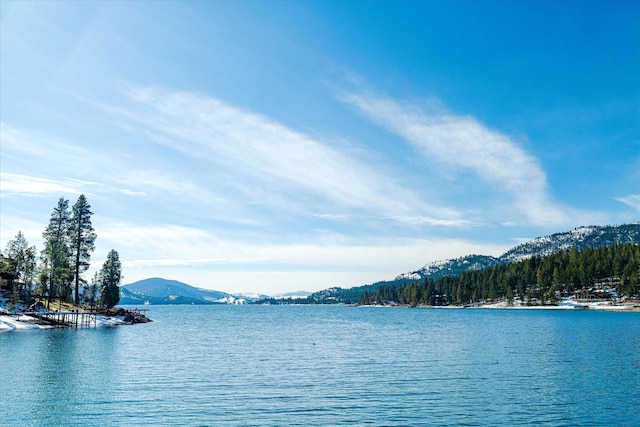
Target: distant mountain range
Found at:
161, 291
579, 238
157, 291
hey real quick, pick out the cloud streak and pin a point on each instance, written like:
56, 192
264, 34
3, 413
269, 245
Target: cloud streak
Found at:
270, 162
632, 200
464, 144
185, 247
286, 267
14, 185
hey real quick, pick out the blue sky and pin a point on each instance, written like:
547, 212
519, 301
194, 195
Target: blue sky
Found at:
277, 146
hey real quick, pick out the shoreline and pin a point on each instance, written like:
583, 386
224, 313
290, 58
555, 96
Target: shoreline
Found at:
623, 308
75, 318
121, 316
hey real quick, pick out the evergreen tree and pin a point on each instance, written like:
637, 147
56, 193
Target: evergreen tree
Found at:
81, 240
543, 278
509, 296
90, 297
56, 252
364, 299
8, 271
111, 274
23, 259
43, 285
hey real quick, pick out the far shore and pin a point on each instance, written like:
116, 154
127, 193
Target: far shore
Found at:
504, 305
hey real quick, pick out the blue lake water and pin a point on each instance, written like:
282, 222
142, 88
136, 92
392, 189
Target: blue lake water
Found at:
328, 365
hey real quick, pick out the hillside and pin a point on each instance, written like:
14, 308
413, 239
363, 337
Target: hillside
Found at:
579, 238
604, 276
451, 267
161, 291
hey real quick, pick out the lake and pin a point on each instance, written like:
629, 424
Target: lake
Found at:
328, 366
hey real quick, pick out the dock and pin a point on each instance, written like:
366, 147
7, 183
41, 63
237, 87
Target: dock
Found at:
84, 319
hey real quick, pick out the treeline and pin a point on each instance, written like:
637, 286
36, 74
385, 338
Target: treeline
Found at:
539, 279
56, 272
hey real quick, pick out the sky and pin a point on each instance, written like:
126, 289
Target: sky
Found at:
277, 146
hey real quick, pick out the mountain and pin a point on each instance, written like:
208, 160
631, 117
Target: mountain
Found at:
451, 267
579, 238
161, 291
292, 295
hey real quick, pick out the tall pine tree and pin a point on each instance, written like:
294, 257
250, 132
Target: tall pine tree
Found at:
56, 252
81, 240
110, 275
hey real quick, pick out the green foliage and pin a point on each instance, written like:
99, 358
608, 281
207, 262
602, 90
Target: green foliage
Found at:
56, 253
111, 275
81, 240
69, 239
13, 302
22, 261
91, 292
544, 278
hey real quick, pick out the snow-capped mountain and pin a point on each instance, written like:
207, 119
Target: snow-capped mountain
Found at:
451, 267
579, 238
292, 295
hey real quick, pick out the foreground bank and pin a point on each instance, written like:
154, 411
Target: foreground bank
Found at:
72, 317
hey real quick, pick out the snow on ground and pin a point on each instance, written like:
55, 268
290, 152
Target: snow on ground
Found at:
10, 323
18, 321
22, 322
565, 304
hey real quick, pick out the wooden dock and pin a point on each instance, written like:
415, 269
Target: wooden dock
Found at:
84, 319
77, 319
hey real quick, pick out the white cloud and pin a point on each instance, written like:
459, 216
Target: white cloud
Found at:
270, 163
18, 185
19, 143
203, 259
632, 200
420, 220
24, 185
343, 266
64, 160
463, 143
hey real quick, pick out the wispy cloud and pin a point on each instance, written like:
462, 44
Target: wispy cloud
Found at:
463, 143
425, 220
185, 247
270, 163
71, 168
18, 185
20, 143
632, 200
24, 185
305, 266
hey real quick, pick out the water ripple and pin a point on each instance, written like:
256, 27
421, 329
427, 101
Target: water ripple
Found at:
321, 366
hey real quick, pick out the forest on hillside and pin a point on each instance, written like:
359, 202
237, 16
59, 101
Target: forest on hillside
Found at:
536, 280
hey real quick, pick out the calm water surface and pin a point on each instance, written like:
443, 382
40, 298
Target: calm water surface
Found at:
328, 365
